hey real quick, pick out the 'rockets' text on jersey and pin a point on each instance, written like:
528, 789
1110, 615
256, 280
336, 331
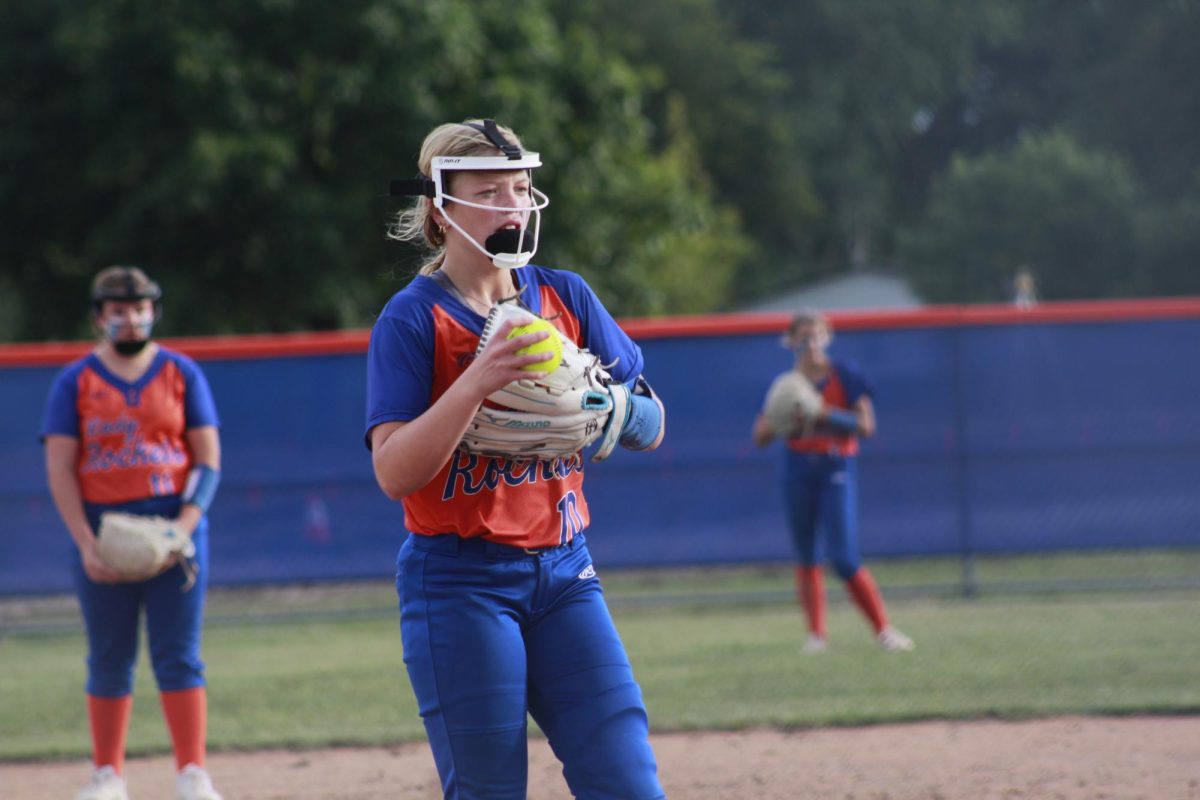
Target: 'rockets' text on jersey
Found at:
423, 341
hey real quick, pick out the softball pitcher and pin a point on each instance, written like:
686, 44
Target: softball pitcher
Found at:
820, 483
132, 427
502, 613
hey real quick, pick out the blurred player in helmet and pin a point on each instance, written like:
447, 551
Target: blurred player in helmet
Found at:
820, 483
132, 427
502, 614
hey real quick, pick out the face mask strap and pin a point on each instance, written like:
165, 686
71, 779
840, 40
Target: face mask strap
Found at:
491, 130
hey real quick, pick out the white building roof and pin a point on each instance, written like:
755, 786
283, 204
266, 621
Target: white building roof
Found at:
865, 289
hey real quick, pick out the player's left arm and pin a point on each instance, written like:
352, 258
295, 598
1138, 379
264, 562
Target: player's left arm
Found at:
859, 419
643, 423
203, 478
204, 444
646, 422
865, 409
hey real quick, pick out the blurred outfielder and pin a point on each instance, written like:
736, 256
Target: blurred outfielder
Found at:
820, 408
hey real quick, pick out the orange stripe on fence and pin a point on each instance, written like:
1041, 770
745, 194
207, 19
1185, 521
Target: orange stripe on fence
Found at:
285, 345
208, 348
924, 317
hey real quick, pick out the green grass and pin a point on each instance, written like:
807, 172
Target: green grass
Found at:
741, 667
713, 649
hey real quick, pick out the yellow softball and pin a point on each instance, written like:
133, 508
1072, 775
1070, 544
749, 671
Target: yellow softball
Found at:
551, 345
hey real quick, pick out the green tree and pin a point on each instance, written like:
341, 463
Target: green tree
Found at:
1169, 239
860, 76
1067, 212
240, 152
1113, 75
723, 92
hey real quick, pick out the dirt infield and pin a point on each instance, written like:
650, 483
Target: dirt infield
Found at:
1072, 758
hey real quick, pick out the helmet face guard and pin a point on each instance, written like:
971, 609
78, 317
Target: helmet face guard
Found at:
505, 249
128, 292
818, 341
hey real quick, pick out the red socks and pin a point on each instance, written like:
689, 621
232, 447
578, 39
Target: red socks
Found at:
109, 720
186, 713
810, 591
865, 593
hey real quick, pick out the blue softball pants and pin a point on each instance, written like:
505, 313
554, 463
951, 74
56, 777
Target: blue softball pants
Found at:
174, 618
492, 633
821, 495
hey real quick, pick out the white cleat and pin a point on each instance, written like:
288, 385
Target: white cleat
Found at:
105, 784
194, 783
814, 644
894, 641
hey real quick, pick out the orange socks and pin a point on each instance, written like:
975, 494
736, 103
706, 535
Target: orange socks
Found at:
810, 587
865, 594
109, 720
186, 713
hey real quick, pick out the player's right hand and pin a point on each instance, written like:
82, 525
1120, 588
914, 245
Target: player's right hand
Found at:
498, 364
96, 569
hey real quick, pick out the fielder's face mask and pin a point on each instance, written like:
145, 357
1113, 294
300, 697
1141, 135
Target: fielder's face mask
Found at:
508, 248
810, 335
142, 323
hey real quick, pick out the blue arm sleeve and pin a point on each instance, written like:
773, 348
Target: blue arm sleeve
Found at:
644, 427
201, 486
841, 420
644, 423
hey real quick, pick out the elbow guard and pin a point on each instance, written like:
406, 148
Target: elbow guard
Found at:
644, 428
201, 488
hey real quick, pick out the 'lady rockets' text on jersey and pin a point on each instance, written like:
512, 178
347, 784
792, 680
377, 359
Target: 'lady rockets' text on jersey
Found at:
424, 339
132, 436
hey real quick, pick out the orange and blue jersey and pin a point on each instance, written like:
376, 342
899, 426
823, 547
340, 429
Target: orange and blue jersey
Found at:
422, 342
842, 389
134, 456
132, 436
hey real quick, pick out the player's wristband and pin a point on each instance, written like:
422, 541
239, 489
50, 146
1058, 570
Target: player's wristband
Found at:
841, 420
201, 486
644, 423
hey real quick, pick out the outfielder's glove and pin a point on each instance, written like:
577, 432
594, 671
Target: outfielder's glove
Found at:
550, 417
138, 547
792, 404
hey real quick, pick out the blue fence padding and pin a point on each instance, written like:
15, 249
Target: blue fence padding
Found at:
992, 439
